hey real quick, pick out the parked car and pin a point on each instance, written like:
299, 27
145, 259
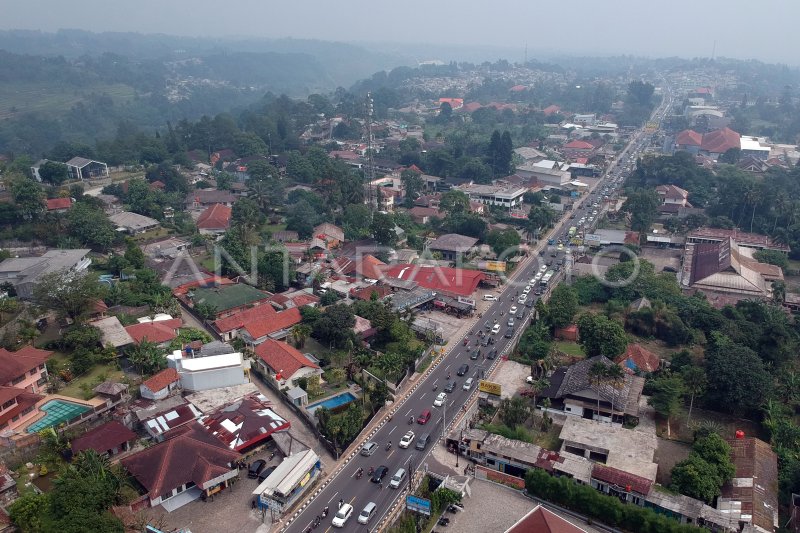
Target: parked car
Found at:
255, 468
489, 298
369, 448
265, 473
405, 442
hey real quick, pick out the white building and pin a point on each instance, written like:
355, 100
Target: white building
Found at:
210, 372
494, 194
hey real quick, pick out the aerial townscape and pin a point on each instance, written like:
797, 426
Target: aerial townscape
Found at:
299, 280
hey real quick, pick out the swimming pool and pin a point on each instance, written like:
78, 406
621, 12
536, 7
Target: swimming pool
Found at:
56, 412
333, 401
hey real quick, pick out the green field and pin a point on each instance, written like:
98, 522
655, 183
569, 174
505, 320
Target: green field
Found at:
20, 98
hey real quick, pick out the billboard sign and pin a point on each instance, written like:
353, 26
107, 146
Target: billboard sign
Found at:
418, 505
493, 266
489, 387
468, 301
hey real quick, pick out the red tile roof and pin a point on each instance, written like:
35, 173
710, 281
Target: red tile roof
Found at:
365, 293
540, 520
455, 281
369, 267
238, 320
24, 401
282, 358
158, 184
55, 204
162, 380
720, 141
625, 480
755, 482
191, 454
305, 299
245, 422
9, 393
578, 145
16, 364
216, 216
689, 138
637, 357
673, 192
551, 110
270, 324
158, 332
103, 438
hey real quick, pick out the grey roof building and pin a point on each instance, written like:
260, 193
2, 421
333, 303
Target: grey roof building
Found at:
133, 222
452, 244
25, 272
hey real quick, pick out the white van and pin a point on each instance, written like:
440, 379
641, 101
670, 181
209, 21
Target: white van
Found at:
397, 478
489, 298
367, 513
468, 384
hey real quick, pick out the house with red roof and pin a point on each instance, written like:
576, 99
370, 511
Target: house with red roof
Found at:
160, 385
245, 423
369, 267
449, 281
257, 324
689, 140
455, 103
159, 332
551, 110
712, 144
215, 220
423, 215
540, 520
579, 146
17, 407
637, 358
107, 439
58, 205
672, 195
24, 369
190, 463
284, 363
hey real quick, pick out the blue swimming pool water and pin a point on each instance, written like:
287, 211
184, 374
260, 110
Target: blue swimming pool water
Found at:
56, 412
330, 403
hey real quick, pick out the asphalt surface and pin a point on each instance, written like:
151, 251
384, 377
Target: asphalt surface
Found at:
345, 485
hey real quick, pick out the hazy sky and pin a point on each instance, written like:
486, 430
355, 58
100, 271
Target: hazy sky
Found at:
761, 29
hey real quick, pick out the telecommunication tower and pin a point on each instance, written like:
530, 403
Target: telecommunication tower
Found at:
370, 161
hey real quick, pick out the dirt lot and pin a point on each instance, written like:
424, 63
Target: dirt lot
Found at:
511, 377
449, 324
668, 454
663, 257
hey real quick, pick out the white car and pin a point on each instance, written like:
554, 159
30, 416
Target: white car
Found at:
522, 300
440, 399
343, 515
496, 329
537, 278
543, 268
513, 310
591, 219
526, 290
407, 439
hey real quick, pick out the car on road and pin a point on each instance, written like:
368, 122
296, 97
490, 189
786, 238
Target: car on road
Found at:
520, 314
463, 369
379, 474
468, 384
513, 310
510, 322
591, 219
509, 333
255, 468
526, 290
485, 341
265, 473
475, 354
343, 514
543, 269
451, 386
440, 399
367, 513
407, 439
495, 329
369, 448
424, 416
492, 354
422, 441
522, 299
489, 298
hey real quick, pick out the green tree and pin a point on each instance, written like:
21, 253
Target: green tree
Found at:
28, 197
503, 241
133, 254
382, 228
147, 356
737, 379
53, 172
246, 213
454, 203
642, 204
696, 478
91, 227
694, 382
562, 306
600, 335
334, 326
514, 411
413, 184
667, 397
26, 512
68, 293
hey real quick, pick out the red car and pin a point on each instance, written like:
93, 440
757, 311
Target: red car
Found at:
424, 417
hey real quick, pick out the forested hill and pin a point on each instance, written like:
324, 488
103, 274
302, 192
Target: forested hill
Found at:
79, 86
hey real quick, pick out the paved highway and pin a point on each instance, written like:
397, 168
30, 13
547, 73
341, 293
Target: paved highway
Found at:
359, 492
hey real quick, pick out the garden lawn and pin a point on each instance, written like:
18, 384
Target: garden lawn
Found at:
569, 348
92, 379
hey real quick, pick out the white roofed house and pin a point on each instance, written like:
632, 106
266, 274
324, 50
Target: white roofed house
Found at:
24, 273
133, 223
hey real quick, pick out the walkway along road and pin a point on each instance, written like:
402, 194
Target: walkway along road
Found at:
342, 485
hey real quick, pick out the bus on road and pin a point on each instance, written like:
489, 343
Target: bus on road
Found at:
546, 278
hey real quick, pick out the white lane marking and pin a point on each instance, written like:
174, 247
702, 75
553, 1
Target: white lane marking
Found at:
392, 431
332, 497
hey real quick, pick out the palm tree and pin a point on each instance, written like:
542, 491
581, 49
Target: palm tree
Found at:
778, 292
300, 333
597, 376
615, 377
694, 379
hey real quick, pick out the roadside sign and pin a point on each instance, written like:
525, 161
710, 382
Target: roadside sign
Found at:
468, 301
493, 266
418, 505
489, 387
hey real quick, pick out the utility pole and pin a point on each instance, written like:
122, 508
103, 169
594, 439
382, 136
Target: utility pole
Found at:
370, 159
